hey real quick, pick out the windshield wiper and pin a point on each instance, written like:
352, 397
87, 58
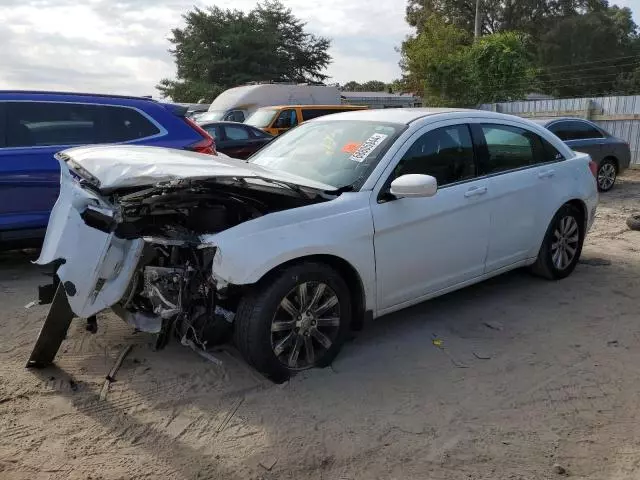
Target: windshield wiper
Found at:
290, 186
340, 190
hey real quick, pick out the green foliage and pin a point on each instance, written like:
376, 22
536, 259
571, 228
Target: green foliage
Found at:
219, 48
601, 40
451, 70
189, 91
498, 15
370, 86
596, 42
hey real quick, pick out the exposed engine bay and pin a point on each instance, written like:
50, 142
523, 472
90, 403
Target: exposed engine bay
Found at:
173, 290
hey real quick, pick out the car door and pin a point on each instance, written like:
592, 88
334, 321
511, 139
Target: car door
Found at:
237, 139
286, 120
519, 167
215, 131
29, 175
580, 136
257, 139
425, 245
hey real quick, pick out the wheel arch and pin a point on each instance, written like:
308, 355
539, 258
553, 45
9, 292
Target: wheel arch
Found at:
345, 269
582, 207
615, 161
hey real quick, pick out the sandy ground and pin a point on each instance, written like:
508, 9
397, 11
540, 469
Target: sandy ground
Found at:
554, 380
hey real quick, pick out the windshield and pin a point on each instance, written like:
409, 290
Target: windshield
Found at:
337, 153
212, 116
261, 118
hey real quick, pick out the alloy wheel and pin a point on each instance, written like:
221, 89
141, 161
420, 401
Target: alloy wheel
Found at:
606, 176
566, 238
305, 325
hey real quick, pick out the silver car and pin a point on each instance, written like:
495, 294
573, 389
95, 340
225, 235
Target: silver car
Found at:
611, 154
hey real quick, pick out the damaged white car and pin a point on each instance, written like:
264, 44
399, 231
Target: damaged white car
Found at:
347, 217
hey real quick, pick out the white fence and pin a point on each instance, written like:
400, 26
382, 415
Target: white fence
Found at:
620, 116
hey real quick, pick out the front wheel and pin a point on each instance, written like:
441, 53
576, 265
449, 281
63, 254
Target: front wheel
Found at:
295, 320
562, 244
607, 174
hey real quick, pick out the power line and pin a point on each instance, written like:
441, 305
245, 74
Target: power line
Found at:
591, 63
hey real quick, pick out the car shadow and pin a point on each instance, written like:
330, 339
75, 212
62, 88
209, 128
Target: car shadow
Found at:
114, 420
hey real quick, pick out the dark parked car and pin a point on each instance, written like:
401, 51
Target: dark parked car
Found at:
237, 139
36, 125
611, 154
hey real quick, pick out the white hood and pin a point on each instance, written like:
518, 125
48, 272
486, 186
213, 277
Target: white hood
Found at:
120, 166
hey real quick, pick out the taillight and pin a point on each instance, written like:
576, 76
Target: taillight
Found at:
593, 166
207, 144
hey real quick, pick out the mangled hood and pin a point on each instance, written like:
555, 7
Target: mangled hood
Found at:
111, 167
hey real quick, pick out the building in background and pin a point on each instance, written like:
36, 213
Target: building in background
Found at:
381, 99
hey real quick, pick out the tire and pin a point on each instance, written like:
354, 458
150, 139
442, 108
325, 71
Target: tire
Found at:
607, 174
548, 264
633, 222
261, 311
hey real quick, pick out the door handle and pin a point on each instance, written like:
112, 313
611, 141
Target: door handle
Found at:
475, 192
547, 174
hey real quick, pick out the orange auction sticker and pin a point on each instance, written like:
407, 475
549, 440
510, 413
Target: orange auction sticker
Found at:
351, 147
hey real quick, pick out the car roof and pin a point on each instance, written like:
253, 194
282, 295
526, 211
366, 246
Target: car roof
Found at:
405, 116
73, 94
354, 107
225, 122
548, 121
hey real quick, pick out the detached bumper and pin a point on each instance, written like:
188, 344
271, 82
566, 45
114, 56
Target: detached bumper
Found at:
53, 332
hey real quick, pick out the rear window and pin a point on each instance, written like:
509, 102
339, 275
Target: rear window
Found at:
575, 130
36, 124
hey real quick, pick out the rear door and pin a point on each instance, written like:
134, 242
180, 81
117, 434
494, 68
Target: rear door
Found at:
520, 168
236, 141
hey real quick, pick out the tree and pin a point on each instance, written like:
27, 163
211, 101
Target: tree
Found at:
369, 86
601, 45
498, 15
450, 69
224, 48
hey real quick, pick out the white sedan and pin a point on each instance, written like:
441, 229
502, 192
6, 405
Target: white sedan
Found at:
347, 217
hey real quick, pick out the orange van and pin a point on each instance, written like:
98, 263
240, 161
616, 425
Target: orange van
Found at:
278, 119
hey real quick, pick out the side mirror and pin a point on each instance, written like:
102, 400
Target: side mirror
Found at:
414, 185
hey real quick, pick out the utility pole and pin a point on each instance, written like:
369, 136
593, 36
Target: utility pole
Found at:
477, 29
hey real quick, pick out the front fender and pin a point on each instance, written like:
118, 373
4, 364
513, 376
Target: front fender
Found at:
243, 259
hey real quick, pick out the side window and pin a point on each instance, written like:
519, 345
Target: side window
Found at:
2, 126
549, 153
213, 130
256, 133
509, 148
234, 116
35, 124
311, 113
575, 130
445, 153
236, 133
286, 119
125, 124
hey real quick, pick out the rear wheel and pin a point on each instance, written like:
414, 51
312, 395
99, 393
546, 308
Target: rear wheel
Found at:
562, 244
297, 320
607, 174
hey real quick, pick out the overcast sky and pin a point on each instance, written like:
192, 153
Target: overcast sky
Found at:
120, 46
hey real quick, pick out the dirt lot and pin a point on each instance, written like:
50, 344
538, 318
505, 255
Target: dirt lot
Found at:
553, 379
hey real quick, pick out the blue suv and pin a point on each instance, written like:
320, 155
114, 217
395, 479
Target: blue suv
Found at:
36, 125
